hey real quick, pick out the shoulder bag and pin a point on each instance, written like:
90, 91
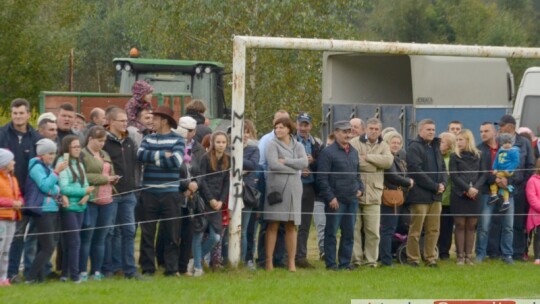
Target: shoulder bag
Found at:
393, 197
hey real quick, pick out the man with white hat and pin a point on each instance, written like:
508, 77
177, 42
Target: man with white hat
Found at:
47, 115
192, 153
48, 129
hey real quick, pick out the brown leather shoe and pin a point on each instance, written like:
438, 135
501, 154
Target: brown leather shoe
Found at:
303, 263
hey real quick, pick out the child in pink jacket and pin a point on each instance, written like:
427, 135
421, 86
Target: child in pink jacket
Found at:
533, 219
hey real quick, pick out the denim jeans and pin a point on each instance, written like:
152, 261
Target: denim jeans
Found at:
484, 221
251, 235
120, 242
71, 243
17, 247
200, 249
246, 215
93, 239
343, 218
389, 222
319, 218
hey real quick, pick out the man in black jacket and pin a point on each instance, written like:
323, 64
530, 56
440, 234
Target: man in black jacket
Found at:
20, 138
426, 167
120, 244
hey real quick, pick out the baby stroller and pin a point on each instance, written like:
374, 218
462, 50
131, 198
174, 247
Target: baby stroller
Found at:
399, 239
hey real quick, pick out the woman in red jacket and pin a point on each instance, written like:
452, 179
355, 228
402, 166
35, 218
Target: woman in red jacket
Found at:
10, 210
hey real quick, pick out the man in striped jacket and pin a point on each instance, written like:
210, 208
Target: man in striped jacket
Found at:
162, 154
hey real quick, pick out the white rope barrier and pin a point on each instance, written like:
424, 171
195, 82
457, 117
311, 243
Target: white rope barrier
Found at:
262, 212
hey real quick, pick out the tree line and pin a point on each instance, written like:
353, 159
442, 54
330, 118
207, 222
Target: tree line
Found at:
37, 37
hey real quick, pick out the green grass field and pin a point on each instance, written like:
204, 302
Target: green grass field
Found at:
491, 280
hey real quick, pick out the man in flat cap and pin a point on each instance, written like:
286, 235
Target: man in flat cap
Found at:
340, 187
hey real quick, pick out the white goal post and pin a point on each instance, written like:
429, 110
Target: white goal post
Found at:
242, 43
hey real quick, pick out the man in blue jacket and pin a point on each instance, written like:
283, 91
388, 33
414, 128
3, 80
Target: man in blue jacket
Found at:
20, 138
518, 200
340, 187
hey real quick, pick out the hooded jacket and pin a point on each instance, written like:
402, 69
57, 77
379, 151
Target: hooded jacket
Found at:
137, 103
47, 182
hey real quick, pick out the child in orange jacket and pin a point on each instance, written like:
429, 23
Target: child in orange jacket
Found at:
11, 202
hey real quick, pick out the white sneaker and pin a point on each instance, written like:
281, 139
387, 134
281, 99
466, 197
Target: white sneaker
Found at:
83, 276
251, 265
198, 272
191, 266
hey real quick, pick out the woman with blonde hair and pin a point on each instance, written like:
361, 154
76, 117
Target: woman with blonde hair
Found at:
447, 147
464, 203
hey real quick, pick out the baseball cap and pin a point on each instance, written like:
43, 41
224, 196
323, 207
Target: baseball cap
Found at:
304, 117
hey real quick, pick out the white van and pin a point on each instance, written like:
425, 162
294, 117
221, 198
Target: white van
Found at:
527, 105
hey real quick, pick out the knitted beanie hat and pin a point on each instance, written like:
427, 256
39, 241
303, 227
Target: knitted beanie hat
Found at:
45, 146
5, 157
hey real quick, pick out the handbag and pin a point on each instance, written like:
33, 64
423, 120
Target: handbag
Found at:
251, 196
198, 221
393, 197
276, 197
33, 197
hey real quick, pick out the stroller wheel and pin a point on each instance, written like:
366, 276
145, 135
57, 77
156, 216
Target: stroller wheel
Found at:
401, 253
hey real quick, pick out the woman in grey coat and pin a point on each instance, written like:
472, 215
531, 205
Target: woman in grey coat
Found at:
285, 158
